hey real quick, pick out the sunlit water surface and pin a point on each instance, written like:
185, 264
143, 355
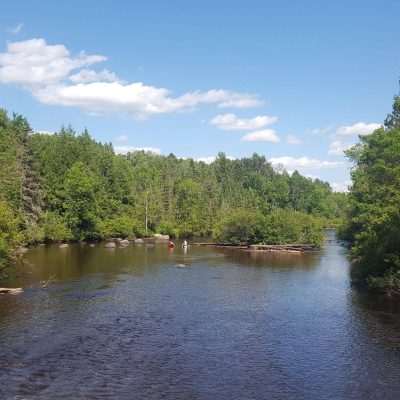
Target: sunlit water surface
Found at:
145, 323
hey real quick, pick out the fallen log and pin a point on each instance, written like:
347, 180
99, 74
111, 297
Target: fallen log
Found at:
289, 248
219, 244
283, 247
11, 290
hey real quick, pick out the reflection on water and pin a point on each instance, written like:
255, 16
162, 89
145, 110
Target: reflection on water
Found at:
143, 322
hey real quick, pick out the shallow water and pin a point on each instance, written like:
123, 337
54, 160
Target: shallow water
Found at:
145, 323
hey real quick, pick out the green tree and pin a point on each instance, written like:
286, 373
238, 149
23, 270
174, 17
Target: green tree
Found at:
80, 201
374, 216
240, 226
392, 121
10, 235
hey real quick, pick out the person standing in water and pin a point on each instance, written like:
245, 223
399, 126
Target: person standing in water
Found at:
185, 246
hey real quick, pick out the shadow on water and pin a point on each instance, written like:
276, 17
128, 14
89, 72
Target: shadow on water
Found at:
198, 324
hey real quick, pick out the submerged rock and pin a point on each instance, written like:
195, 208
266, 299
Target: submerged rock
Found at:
110, 245
139, 241
63, 245
124, 243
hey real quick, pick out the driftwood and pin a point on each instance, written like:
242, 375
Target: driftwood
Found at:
292, 248
11, 290
220, 244
46, 283
288, 248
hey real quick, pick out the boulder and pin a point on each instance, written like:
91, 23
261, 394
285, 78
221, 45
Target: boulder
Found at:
124, 243
63, 245
21, 250
160, 237
139, 241
110, 245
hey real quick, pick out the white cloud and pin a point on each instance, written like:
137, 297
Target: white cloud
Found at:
137, 98
266, 135
44, 132
132, 149
337, 148
16, 29
222, 98
321, 131
89, 75
304, 163
33, 63
359, 128
209, 159
46, 71
121, 139
341, 186
291, 139
230, 122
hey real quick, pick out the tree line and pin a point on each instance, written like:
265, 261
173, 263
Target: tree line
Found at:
67, 186
372, 225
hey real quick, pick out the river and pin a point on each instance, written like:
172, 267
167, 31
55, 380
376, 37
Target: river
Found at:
143, 322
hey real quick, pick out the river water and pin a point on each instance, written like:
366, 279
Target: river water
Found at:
143, 322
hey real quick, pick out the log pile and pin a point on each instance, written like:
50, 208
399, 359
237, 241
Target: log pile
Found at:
235, 246
288, 248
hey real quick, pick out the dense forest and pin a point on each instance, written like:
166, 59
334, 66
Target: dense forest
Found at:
67, 186
373, 221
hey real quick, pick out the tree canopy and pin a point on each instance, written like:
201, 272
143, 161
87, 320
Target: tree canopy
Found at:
373, 221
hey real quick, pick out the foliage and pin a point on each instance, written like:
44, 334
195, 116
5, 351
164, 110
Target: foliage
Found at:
10, 235
392, 121
280, 226
288, 226
55, 228
80, 201
120, 226
240, 226
168, 228
373, 221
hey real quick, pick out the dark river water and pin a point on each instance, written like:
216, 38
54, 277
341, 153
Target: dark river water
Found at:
145, 323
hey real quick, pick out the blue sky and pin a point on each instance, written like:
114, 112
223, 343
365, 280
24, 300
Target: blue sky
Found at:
296, 81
